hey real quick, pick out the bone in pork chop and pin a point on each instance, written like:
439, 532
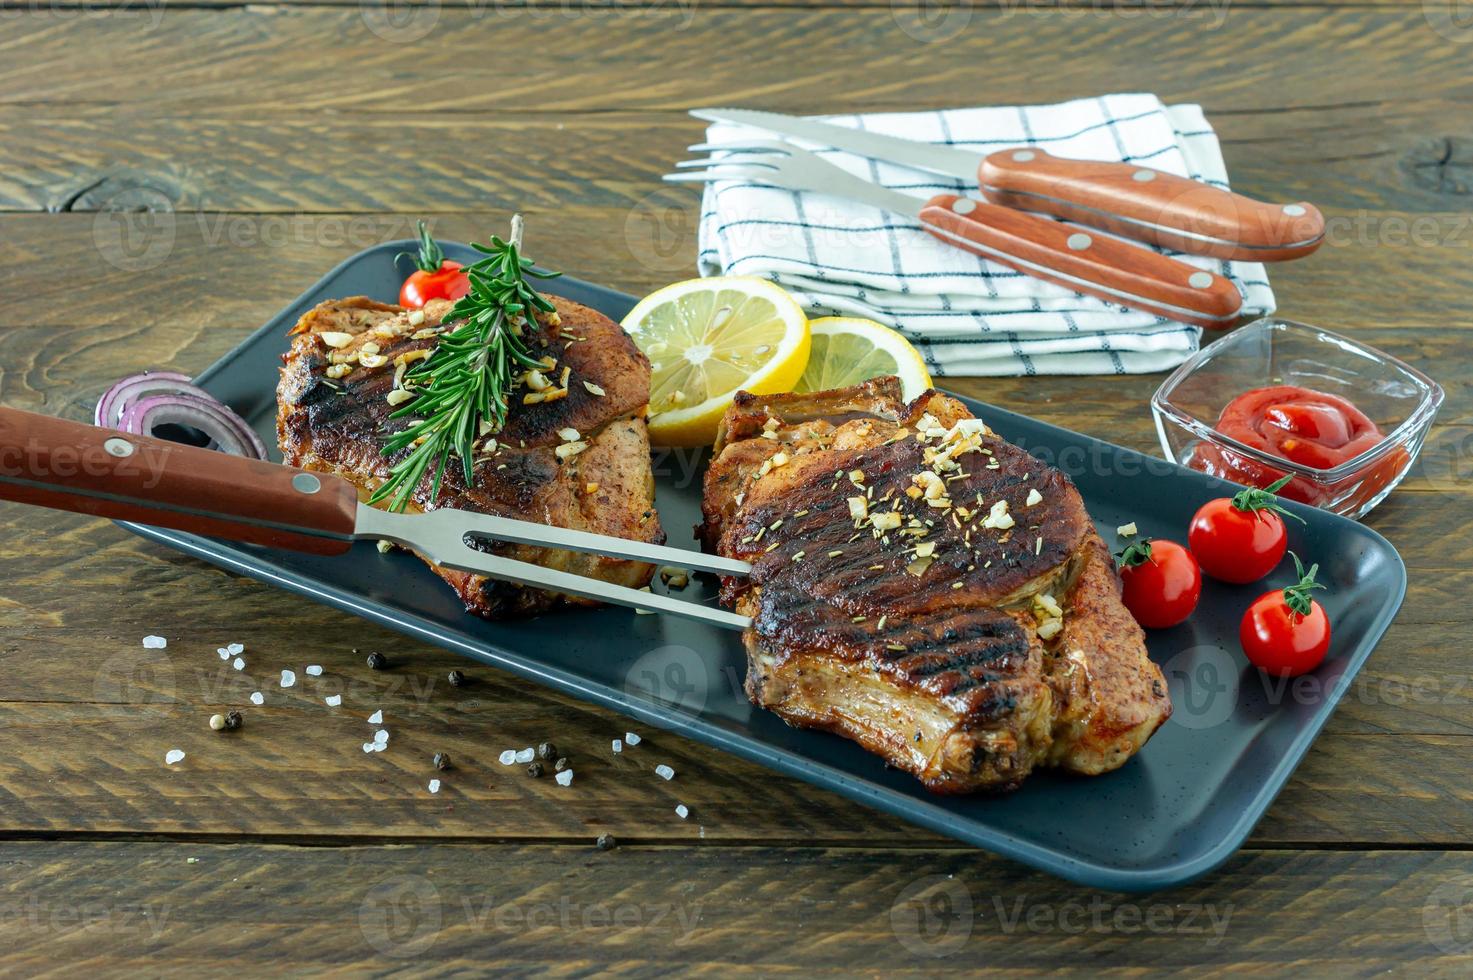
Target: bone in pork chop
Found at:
333, 407
926, 589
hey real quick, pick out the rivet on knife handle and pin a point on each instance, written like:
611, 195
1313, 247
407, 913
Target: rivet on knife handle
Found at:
1150, 205
65, 465
1099, 265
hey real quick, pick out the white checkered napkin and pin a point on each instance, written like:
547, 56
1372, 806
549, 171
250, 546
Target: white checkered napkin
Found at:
966, 314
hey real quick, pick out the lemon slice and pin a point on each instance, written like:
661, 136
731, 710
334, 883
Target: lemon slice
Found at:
706, 340
848, 350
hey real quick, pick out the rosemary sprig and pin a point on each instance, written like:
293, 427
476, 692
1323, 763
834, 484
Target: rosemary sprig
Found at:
463, 389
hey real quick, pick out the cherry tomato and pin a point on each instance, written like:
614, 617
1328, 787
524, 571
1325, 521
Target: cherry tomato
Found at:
434, 276
1285, 632
1162, 582
1240, 539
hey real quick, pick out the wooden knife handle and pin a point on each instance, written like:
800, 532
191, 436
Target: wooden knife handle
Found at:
1152, 206
1109, 268
64, 465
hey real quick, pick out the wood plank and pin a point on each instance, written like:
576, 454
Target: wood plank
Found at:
1404, 157
769, 911
195, 59
197, 269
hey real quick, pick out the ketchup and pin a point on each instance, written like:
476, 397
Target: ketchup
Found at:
1304, 426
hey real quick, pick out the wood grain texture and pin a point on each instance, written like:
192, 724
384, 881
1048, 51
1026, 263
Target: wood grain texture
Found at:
194, 59
642, 910
1411, 157
168, 181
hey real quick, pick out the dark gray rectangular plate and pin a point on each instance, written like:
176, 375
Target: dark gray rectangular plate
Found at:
1177, 810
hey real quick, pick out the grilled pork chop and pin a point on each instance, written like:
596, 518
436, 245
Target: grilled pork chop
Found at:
925, 588
332, 415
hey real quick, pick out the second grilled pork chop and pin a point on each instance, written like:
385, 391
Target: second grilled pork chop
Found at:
926, 589
338, 425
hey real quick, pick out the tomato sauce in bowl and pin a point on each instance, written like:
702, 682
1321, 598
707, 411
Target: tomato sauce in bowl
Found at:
1304, 426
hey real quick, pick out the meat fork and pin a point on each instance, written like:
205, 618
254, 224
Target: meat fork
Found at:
1100, 265
64, 465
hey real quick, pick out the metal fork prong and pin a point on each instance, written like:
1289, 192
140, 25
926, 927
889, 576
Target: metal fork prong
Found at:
743, 162
752, 174
753, 146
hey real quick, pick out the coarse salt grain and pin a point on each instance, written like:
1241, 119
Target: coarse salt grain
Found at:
368, 747
238, 663
526, 755
333, 700
507, 758
618, 745
258, 698
314, 671
288, 678
564, 778
224, 653
681, 811
235, 648
381, 737
434, 786
377, 717
155, 642
664, 771
631, 739
173, 756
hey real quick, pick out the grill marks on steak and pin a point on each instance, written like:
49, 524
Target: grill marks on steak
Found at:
339, 426
943, 673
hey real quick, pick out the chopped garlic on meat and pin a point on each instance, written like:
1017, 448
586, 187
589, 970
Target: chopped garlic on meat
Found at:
999, 518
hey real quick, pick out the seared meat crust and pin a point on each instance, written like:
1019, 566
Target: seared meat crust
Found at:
937, 664
339, 426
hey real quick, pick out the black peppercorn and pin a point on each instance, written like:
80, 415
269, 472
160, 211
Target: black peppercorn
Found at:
376, 661
457, 678
534, 769
561, 764
606, 842
442, 760
547, 751
233, 720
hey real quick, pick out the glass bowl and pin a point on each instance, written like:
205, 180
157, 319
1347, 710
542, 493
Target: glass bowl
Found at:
1401, 400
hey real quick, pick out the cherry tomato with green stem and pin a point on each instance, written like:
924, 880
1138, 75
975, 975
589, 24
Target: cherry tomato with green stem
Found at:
1286, 632
1240, 539
1161, 582
434, 276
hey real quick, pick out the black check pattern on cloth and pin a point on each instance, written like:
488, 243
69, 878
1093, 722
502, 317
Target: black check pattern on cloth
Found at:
966, 314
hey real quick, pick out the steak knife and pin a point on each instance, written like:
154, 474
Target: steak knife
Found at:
1124, 198
65, 465
1110, 268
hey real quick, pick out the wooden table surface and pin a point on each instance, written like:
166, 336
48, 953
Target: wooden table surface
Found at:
270, 140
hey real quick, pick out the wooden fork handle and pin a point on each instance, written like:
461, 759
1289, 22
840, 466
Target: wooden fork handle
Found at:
64, 465
1099, 265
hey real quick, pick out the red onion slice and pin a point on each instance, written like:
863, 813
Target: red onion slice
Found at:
115, 400
144, 402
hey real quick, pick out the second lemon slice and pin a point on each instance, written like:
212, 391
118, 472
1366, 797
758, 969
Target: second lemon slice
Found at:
709, 338
848, 350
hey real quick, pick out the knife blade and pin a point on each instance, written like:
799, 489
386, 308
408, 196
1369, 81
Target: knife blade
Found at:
64, 465
1125, 198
